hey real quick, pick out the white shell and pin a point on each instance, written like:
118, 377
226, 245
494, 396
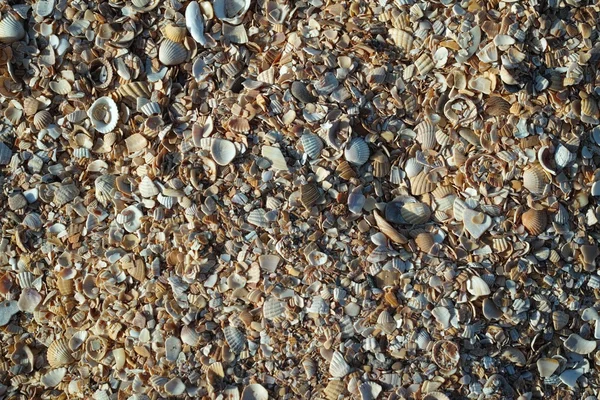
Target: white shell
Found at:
231, 11
579, 345
255, 391
104, 114
338, 367
369, 390
476, 223
269, 262
29, 300
273, 308
172, 348
357, 152
172, 53
412, 167
547, 366
312, 145
563, 157
44, 8
274, 155
222, 151
175, 387
194, 21
148, 188
11, 29
53, 377
235, 33
235, 339
130, 218
477, 286
189, 336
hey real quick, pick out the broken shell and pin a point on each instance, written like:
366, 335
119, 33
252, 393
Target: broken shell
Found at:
435, 396
222, 151
421, 184
547, 366
175, 33
194, 21
29, 300
338, 367
104, 114
424, 241
172, 53
415, 213
175, 387
476, 223
381, 165
445, 354
235, 339
231, 11
563, 157
535, 221
255, 391
477, 286
369, 390
300, 92
560, 319
579, 345
389, 231
334, 389
53, 377
96, 347
274, 155
11, 28
312, 145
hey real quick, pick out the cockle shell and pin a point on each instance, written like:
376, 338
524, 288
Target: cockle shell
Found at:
560, 319
175, 33
312, 145
535, 221
424, 64
477, 286
402, 39
381, 165
309, 194
11, 28
231, 11
424, 241
535, 180
104, 114
412, 167
357, 152
421, 184
369, 390
334, 389
255, 391
235, 339
274, 155
53, 377
435, 396
338, 367
426, 134
415, 213
222, 151
563, 157
194, 21
59, 353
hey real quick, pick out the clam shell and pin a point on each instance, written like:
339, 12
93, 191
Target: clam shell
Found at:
65, 194
172, 53
65, 286
402, 39
535, 221
535, 180
194, 21
11, 28
381, 165
490, 310
338, 367
59, 353
175, 387
231, 11
61, 87
497, 106
426, 134
300, 92
53, 377
476, 223
445, 354
104, 114
312, 145
235, 339
579, 345
33, 221
310, 367
135, 143
175, 33
424, 64
44, 8
424, 241
269, 262
29, 300
130, 218
415, 213
421, 184
412, 167
547, 366
357, 152
30, 106
222, 151
255, 391
172, 348
235, 33
563, 157
386, 322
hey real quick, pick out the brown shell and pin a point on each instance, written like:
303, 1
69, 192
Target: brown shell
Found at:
497, 106
424, 241
388, 230
30, 105
345, 170
65, 286
309, 194
59, 353
535, 221
421, 184
239, 125
175, 33
134, 90
101, 73
381, 165
42, 119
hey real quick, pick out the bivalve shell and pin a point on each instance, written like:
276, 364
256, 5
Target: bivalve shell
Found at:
416, 213
535, 180
104, 114
255, 391
172, 53
547, 366
11, 28
338, 367
53, 377
357, 152
222, 151
194, 21
312, 145
579, 345
59, 353
535, 221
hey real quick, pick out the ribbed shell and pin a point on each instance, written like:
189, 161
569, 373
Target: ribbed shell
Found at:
415, 213
42, 119
412, 167
255, 391
334, 389
175, 33
309, 194
424, 64
172, 53
11, 28
273, 308
134, 90
59, 353
535, 180
388, 230
421, 184
104, 114
535, 221
563, 157
235, 339
345, 170
101, 72
402, 39
222, 151
338, 367
65, 194
357, 152
424, 241
381, 165
497, 106
426, 134
312, 145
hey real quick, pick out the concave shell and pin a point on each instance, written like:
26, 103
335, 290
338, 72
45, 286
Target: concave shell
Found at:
497, 106
345, 170
101, 73
269, 262
235, 339
11, 28
476, 223
175, 33
381, 165
535, 221
445, 354
415, 213
357, 152
222, 151
189, 336
104, 114
231, 11
401, 39
255, 391
96, 347
172, 53
53, 377
274, 155
29, 300
426, 134
468, 115
338, 367
424, 241
412, 167
65, 194
579, 345
386, 322
175, 387
563, 157
59, 353
310, 367
369, 390
312, 145
421, 184
535, 180
477, 286
547, 366
273, 308
300, 92
194, 21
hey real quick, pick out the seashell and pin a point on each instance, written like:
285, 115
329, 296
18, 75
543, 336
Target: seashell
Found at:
172, 348
547, 366
357, 152
101, 73
29, 300
345, 170
579, 345
104, 114
421, 184
13, 115
33, 221
273, 308
490, 310
309, 195
468, 114
231, 393
338, 367
235, 33
172, 53
435, 396
424, 64
135, 143
61, 87
535, 221
535, 180
235, 339
412, 167
53, 377
589, 111
231, 11
369, 390
222, 151
175, 387
269, 262
30, 106
401, 39
334, 389
416, 213
426, 134
147, 188
515, 356
239, 125
194, 21
560, 319
149, 107
175, 33
274, 155
11, 28
388, 230
310, 367
254, 391
59, 353
445, 354
312, 145
130, 218
65, 194
77, 340
96, 347
105, 188
476, 223
563, 157
424, 241
17, 201
301, 93
381, 165
134, 90
477, 286
189, 336
497, 106
386, 322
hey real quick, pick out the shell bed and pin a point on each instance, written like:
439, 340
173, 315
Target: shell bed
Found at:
299, 199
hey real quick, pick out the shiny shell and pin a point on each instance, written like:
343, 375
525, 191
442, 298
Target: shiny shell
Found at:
11, 28
59, 353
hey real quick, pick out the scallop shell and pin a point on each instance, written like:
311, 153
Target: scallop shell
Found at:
547, 366
175, 33
255, 391
274, 155
424, 241
345, 170
222, 151
194, 21
386, 322
579, 345
231, 11
535, 180
381, 165
61, 87
357, 152
59, 353
312, 145
235, 339
105, 188
104, 114
426, 134
401, 39
273, 308
338, 367
369, 390
424, 64
589, 111
53, 377
334, 389
560, 319
134, 90
415, 213
421, 184
535, 221
148, 188
172, 53
11, 28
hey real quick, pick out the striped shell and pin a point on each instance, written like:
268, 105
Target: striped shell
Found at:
381, 165
426, 134
312, 145
535, 221
175, 33
535, 180
334, 389
235, 339
42, 119
424, 64
415, 213
59, 353
135, 90
338, 367
273, 308
497, 106
345, 170
424, 241
421, 184
11, 29
412, 167
172, 53
357, 152
401, 39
